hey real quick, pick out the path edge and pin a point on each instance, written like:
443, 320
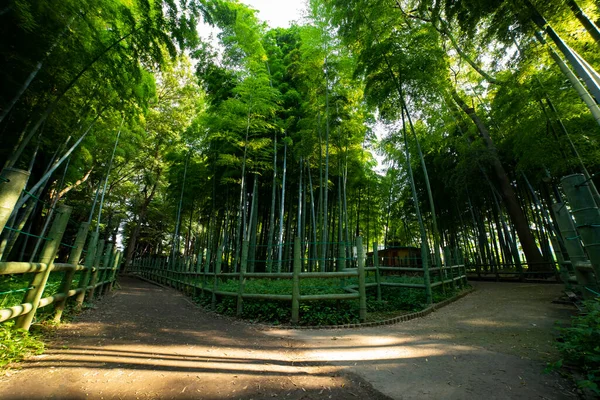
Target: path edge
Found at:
390, 321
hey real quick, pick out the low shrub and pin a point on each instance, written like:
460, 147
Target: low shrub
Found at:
394, 300
580, 346
17, 344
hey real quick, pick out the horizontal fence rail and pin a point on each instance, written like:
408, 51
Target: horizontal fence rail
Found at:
204, 277
95, 276
512, 271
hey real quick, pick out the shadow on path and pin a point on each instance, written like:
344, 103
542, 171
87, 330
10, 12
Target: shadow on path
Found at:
144, 342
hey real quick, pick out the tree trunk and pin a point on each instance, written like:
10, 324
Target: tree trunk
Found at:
273, 203
587, 23
326, 179
21, 146
141, 217
571, 56
532, 252
579, 88
281, 211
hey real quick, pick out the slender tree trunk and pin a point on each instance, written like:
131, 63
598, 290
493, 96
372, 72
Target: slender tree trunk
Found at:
242, 206
281, 211
313, 219
46, 176
326, 179
574, 80
272, 216
17, 153
532, 252
253, 226
32, 75
300, 201
112, 158
140, 220
178, 221
587, 23
571, 56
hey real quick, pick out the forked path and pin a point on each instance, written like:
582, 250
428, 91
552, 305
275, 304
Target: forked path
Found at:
144, 342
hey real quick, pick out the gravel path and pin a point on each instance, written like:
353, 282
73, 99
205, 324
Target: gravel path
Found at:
146, 342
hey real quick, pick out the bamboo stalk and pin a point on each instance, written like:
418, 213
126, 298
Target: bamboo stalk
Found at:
296, 282
13, 183
73, 259
361, 281
47, 257
242, 278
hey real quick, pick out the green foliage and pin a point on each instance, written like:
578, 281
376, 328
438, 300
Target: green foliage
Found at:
14, 283
324, 312
580, 346
17, 344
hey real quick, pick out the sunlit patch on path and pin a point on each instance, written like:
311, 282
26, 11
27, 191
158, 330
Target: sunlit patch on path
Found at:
150, 342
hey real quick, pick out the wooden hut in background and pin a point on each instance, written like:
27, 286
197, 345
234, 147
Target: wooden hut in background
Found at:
398, 256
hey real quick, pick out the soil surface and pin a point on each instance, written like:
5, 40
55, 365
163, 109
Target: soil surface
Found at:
145, 342
492, 344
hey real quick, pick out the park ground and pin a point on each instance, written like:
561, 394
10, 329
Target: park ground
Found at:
147, 342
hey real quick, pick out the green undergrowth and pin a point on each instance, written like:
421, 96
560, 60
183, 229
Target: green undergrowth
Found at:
394, 300
579, 346
17, 344
14, 284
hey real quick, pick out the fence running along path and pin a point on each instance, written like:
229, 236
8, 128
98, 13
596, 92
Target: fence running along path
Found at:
202, 277
96, 276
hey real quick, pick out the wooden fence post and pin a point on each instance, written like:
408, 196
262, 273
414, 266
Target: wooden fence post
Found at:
216, 276
167, 270
296, 282
377, 273
109, 270
106, 265
74, 257
84, 280
206, 270
449, 264
178, 269
12, 183
341, 265
117, 261
95, 271
426, 276
242, 280
362, 309
159, 270
199, 259
47, 256
587, 216
461, 270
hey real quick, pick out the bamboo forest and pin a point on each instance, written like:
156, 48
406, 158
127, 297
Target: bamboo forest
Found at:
416, 178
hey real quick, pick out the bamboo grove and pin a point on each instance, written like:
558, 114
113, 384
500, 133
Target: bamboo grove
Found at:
192, 126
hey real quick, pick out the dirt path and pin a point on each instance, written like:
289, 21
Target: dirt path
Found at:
492, 344
147, 342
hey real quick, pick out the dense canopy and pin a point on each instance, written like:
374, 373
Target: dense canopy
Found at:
404, 122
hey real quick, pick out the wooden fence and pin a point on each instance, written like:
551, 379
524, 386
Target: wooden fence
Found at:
97, 274
514, 272
204, 278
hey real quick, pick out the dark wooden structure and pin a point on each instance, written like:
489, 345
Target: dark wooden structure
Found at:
398, 256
